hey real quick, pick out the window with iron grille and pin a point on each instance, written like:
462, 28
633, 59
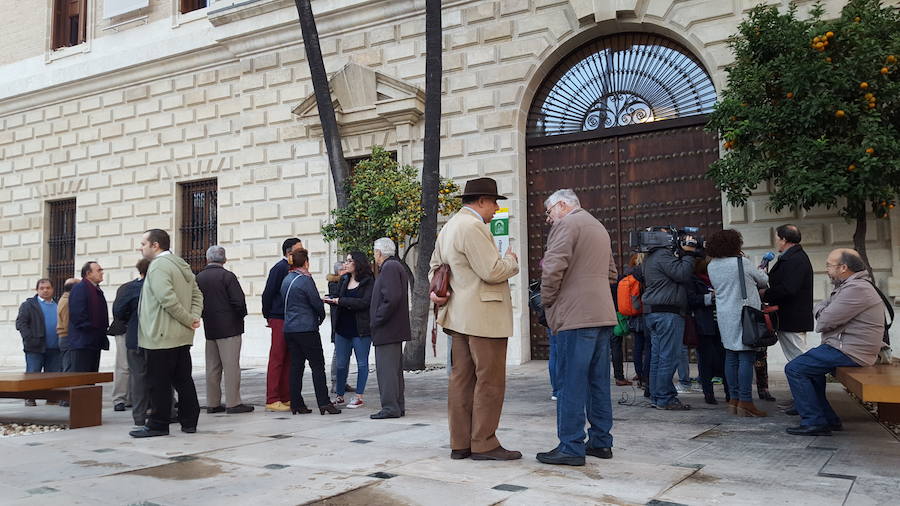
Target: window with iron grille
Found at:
192, 5
61, 243
198, 221
69, 23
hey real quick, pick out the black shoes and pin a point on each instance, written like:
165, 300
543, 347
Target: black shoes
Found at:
554, 457
301, 409
600, 453
710, 399
216, 409
677, 405
240, 408
764, 395
148, 432
810, 430
791, 412
381, 415
329, 408
460, 454
189, 430
119, 407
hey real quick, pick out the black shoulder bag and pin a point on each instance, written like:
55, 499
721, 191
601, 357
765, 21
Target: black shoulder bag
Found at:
756, 325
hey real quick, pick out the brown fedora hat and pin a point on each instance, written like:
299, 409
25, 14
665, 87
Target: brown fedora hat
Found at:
483, 186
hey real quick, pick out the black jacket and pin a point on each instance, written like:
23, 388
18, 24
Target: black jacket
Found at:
389, 312
125, 309
697, 289
791, 289
665, 275
272, 303
357, 307
30, 323
224, 304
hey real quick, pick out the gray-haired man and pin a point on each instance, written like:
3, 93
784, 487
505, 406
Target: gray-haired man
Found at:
389, 319
224, 309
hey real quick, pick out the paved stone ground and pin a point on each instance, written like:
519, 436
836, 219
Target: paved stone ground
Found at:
703, 456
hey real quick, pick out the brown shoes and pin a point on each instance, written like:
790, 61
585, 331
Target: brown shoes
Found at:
498, 453
732, 406
746, 408
622, 382
460, 454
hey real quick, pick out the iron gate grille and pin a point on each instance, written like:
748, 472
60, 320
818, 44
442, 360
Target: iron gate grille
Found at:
198, 221
61, 244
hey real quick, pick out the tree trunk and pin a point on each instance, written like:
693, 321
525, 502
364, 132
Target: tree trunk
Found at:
414, 353
859, 238
340, 170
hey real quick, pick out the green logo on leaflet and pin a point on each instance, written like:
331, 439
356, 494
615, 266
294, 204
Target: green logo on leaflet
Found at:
500, 227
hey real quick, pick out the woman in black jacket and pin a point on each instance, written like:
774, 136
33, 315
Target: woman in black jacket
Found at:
710, 352
351, 325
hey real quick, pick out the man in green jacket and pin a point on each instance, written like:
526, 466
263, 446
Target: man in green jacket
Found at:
168, 313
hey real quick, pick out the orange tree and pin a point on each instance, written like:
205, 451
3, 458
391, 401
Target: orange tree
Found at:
384, 200
813, 105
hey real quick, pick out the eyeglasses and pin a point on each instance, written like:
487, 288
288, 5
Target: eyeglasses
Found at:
547, 212
832, 266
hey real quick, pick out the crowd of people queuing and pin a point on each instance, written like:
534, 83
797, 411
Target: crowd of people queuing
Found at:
687, 290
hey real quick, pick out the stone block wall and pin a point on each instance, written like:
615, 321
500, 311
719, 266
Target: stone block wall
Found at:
122, 148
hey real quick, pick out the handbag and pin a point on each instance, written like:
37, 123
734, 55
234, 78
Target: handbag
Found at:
885, 355
757, 328
440, 285
691, 336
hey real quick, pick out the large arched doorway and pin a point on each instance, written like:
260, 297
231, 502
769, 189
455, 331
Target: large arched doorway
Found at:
620, 120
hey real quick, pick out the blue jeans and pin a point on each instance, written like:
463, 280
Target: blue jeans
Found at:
684, 366
666, 335
343, 346
551, 364
583, 376
49, 361
739, 374
641, 355
806, 376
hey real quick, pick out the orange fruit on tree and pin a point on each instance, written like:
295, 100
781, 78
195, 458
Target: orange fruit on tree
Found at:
816, 39
871, 105
884, 70
870, 151
790, 95
891, 59
857, 19
851, 168
839, 113
863, 85
829, 34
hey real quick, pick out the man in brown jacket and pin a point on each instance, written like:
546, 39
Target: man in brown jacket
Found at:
478, 317
851, 321
62, 325
578, 269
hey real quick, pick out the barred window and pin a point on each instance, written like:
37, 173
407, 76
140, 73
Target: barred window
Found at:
61, 243
199, 221
192, 5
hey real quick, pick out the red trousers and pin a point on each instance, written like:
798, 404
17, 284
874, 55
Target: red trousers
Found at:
278, 385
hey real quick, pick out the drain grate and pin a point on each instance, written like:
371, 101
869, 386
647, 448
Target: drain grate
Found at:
506, 487
382, 475
276, 466
361, 441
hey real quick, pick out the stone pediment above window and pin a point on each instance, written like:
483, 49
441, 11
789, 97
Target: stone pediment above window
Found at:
365, 101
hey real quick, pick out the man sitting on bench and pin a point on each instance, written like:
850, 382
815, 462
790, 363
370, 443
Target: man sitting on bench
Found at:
852, 323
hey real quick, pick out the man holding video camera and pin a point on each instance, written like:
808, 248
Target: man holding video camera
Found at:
667, 267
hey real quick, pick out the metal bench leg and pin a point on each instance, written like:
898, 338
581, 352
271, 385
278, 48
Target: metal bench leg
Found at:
889, 412
85, 406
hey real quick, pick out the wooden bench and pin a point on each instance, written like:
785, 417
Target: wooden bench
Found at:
78, 388
879, 384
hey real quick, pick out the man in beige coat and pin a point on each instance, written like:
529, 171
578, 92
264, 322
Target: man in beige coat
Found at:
578, 270
478, 317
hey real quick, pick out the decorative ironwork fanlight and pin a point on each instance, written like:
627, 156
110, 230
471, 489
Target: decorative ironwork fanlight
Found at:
620, 80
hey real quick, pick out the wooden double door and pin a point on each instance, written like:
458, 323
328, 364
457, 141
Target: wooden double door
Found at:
628, 178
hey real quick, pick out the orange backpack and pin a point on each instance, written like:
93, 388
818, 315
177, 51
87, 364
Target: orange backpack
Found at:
628, 296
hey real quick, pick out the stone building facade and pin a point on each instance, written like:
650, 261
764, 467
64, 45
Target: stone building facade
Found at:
154, 99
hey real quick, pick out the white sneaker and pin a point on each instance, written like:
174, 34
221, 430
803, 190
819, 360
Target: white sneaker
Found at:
552, 397
356, 403
682, 389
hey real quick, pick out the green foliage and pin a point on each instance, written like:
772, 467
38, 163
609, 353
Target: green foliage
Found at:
384, 201
814, 106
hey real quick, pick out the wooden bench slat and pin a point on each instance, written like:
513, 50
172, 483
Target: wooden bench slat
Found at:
879, 383
25, 382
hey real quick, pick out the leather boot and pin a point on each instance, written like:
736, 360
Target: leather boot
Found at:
732, 406
746, 408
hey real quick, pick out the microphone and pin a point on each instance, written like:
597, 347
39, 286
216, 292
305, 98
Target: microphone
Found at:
768, 257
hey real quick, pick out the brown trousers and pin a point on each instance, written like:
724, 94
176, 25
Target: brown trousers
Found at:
476, 391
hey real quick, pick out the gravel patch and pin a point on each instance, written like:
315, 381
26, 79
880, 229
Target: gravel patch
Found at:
25, 429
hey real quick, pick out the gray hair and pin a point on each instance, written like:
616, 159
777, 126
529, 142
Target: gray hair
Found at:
338, 266
386, 246
565, 195
215, 254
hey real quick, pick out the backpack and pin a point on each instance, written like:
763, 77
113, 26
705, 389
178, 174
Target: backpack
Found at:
628, 296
